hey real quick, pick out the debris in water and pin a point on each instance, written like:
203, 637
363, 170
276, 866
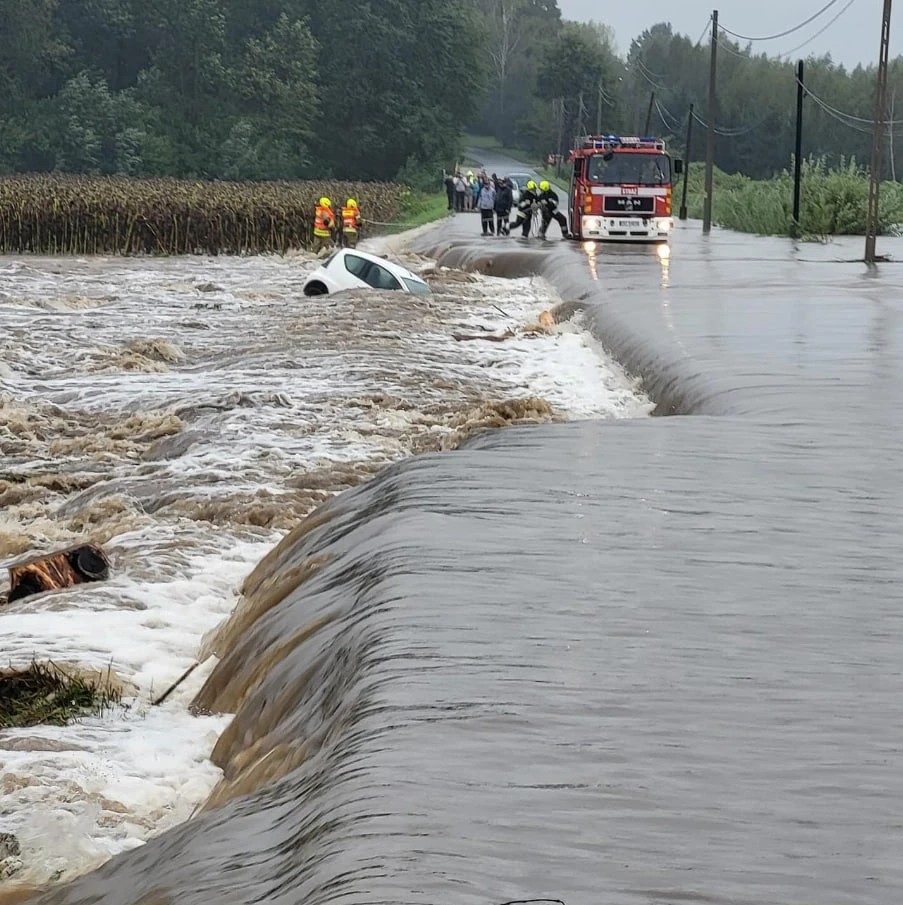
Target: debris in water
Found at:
46, 693
10, 862
54, 571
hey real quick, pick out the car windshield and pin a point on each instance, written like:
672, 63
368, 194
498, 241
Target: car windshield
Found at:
416, 285
632, 169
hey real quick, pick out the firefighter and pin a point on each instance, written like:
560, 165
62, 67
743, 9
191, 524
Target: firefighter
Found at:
351, 223
529, 197
548, 201
324, 225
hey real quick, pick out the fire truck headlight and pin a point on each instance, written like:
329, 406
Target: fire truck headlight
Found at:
592, 223
665, 224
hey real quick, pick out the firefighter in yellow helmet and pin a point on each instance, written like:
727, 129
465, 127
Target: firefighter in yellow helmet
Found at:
528, 198
548, 205
324, 225
351, 223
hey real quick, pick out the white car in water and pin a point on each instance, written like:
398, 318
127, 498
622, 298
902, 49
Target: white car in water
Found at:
349, 268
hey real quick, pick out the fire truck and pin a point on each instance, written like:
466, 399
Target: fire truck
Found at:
621, 189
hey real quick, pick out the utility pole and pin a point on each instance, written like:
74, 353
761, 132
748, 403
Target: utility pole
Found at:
710, 138
649, 114
890, 134
580, 109
560, 133
683, 201
798, 153
599, 109
871, 220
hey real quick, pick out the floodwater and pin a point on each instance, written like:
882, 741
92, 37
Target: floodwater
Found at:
619, 659
186, 413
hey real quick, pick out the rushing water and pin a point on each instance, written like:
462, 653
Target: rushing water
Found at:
623, 659
187, 412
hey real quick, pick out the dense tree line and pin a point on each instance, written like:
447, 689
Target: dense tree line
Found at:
266, 89
241, 89
563, 79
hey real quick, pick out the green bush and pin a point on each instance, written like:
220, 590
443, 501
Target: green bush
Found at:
833, 201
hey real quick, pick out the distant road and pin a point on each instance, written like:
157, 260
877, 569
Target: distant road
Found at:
498, 162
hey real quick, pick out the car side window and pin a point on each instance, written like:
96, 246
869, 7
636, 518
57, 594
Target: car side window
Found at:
357, 267
380, 278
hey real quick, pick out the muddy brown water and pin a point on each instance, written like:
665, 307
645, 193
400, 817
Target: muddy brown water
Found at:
639, 661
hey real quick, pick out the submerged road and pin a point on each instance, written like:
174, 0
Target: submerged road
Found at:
724, 324
642, 661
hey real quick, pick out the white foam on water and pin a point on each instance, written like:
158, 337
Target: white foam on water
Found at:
170, 387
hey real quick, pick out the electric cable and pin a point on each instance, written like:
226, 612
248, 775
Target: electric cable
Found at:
824, 28
782, 34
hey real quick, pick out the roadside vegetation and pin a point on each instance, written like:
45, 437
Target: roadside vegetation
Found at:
833, 201
45, 693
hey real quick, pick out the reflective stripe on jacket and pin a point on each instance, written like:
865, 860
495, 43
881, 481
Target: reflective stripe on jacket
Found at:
324, 221
351, 219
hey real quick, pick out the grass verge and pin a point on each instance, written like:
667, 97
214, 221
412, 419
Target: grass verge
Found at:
416, 209
45, 693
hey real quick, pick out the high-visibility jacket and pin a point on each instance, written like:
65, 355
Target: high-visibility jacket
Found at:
324, 221
351, 219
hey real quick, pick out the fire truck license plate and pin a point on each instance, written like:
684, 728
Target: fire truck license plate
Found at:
632, 224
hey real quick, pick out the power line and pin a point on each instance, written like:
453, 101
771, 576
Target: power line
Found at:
743, 54
782, 34
708, 25
859, 119
733, 132
661, 114
824, 28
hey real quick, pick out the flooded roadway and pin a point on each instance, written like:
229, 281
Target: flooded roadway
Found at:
637, 661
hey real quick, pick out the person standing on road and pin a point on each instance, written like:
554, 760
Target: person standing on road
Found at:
449, 182
504, 201
324, 225
486, 205
548, 202
460, 192
528, 198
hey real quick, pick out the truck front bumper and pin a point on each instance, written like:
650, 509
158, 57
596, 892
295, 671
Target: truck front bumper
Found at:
626, 229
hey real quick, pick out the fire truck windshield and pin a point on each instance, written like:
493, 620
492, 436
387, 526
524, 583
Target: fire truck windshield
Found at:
630, 169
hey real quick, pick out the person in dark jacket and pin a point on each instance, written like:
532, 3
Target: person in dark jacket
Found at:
504, 201
449, 181
548, 204
529, 196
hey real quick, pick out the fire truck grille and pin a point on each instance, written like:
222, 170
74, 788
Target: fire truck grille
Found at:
627, 204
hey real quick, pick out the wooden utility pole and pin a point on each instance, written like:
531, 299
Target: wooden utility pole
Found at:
710, 138
683, 200
599, 109
649, 114
798, 152
871, 221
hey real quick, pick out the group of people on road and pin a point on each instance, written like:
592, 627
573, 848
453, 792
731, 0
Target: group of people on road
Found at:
330, 231
493, 197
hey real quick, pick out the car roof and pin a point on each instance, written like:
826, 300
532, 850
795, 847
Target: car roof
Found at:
391, 266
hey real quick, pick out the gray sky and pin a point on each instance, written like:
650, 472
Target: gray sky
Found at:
852, 39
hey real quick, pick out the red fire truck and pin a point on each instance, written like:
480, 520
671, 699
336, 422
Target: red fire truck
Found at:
621, 189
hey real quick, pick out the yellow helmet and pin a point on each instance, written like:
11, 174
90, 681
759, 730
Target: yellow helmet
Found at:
351, 203
544, 186
531, 184
325, 202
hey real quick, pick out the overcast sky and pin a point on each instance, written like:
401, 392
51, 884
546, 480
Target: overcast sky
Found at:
852, 39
